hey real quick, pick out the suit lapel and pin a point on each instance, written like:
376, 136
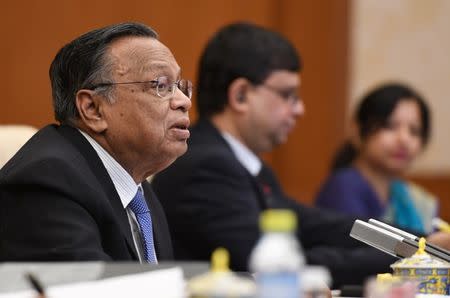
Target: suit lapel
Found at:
209, 129
268, 186
161, 236
99, 170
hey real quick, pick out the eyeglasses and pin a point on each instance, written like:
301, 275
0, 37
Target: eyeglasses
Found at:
164, 87
289, 96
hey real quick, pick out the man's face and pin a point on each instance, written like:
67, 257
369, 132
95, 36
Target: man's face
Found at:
145, 132
274, 109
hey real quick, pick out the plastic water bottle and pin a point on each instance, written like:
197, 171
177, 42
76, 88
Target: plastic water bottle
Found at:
277, 257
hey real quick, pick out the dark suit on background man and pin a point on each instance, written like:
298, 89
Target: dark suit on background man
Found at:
211, 200
59, 203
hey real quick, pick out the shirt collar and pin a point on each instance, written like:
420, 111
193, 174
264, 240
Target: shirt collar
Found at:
123, 182
245, 156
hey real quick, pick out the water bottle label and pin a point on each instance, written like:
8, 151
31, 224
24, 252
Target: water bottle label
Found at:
278, 285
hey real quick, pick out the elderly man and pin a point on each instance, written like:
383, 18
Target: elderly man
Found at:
248, 103
77, 191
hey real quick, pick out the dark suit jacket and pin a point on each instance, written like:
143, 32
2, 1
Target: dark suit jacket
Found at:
211, 200
58, 203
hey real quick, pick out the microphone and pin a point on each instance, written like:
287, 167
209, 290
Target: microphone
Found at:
393, 241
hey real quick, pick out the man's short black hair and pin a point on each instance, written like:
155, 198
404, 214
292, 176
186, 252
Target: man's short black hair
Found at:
83, 63
240, 50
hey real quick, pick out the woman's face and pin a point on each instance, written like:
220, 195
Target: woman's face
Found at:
392, 148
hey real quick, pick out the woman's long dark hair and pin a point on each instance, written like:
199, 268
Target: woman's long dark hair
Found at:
373, 113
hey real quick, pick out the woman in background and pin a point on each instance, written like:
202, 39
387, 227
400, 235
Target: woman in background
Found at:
393, 127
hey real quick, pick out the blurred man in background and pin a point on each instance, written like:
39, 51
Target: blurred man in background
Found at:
213, 195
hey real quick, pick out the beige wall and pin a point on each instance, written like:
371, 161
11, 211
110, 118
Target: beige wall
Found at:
407, 40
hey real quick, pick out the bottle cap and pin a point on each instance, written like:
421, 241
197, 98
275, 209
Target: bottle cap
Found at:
278, 220
220, 260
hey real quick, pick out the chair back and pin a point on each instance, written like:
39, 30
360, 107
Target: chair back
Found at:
12, 138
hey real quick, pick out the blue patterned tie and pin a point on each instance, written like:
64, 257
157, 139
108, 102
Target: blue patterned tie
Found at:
139, 207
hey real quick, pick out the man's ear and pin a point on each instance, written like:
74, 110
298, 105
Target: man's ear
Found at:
237, 94
90, 108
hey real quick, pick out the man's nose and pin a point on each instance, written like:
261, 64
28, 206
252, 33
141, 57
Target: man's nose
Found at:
299, 108
180, 101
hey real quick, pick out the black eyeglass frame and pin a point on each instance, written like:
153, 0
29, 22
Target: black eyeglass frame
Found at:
289, 97
185, 86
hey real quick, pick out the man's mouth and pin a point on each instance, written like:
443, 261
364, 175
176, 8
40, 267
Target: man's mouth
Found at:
180, 129
182, 124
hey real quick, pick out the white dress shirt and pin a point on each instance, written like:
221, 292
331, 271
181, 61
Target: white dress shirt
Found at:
246, 157
125, 187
